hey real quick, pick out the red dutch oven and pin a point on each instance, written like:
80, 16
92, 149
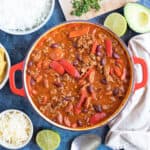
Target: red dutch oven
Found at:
22, 66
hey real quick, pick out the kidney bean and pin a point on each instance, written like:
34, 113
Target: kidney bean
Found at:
121, 97
32, 81
75, 63
104, 81
103, 61
59, 118
98, 53
54, 45
90, 89
30, 63
58, 84
67, 98
78, 56
98, 49
75, 45
84, 110
97, 108
79, 123
115, 55
116, 91
67, 121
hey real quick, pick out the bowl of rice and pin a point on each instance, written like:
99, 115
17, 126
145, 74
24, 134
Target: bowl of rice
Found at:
20, 17
16, 129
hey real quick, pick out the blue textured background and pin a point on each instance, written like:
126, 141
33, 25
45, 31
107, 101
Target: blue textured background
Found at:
18, 47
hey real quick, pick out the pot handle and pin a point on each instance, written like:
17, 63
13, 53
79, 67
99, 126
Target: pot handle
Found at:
12, 83
144, 70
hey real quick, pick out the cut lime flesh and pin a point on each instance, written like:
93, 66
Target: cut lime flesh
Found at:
48, 140
116, 23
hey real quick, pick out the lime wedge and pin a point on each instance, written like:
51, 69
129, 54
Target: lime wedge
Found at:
117, 23
48, 140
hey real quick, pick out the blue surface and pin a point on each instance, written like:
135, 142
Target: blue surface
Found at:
18, 47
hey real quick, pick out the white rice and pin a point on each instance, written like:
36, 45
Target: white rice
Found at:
23, 14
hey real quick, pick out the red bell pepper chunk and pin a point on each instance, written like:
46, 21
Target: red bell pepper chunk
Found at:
111, 71
93, 95
124, 74
29, 83
81, 101
96, 118
57, 67
77, 110
70, 69
79, 32
117, 71
93, 50
120, 61
86, 75
108, 44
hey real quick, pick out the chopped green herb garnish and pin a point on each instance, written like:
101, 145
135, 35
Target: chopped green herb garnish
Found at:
81, 7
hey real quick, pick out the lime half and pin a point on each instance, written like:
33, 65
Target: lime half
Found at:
48, 140
117, 23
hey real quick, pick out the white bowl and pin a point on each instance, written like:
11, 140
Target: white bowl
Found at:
30, 136
24, 32
8, 67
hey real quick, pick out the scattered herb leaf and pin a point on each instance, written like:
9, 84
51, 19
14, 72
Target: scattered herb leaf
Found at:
81, 7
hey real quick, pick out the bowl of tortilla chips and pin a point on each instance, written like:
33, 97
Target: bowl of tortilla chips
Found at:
4, 66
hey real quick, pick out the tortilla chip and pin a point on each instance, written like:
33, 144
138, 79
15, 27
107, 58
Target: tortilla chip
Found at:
3, 65
2, 54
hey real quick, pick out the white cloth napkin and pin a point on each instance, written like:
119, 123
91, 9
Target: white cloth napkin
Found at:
130, 130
